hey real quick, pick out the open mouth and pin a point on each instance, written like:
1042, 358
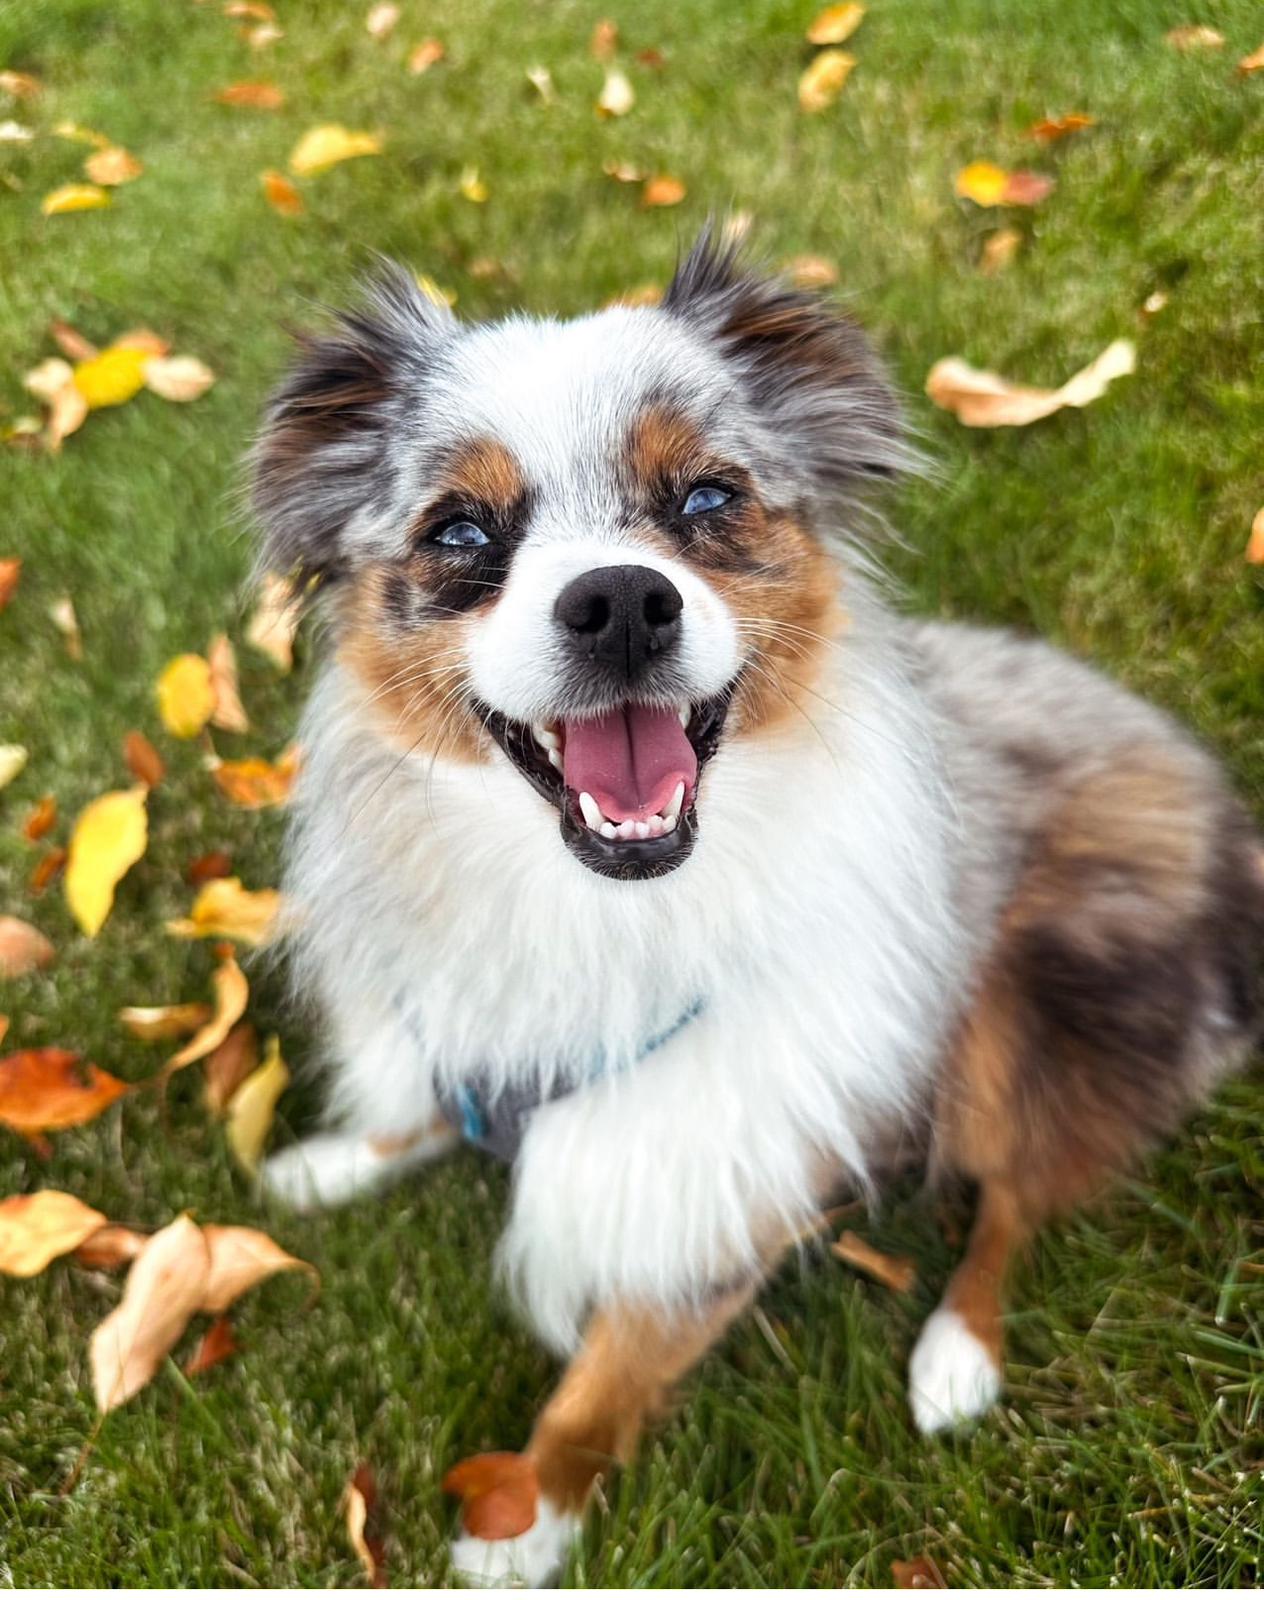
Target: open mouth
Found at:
625, 782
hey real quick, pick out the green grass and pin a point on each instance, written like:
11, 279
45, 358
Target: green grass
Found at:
1129, 1449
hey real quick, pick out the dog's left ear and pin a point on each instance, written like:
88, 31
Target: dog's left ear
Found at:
806, 367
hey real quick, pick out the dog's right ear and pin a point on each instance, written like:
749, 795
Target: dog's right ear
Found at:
322, 458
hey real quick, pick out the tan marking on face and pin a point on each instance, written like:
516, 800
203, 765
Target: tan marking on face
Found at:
484, 470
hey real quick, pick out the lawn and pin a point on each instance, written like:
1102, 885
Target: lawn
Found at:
1130, 1448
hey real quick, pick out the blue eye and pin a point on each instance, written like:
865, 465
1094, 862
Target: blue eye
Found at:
706, 497
461, 536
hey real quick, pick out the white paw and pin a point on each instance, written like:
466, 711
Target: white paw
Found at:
528, 1561
952, 1376
332, 1168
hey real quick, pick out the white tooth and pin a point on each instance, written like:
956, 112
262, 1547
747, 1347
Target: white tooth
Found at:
591, 810
672, 809
656, 826
626, 830
683, 713
546, 736
642, 830
555, 758
608, 830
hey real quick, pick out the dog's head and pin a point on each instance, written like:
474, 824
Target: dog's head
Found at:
594, 549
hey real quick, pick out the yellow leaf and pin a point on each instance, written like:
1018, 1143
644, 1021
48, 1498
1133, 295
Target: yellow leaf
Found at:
823, 81
836, 23
1195, 36
472, 186
281, 194
251, 1109
13, 758
986, 400
617, 96
435, 292
177, 378
112, 378
231, 994
74, 197
112, 166
255, 783
983, 182
324, 147
109, 837
78, 134
224, 910
37, 1228
186, 696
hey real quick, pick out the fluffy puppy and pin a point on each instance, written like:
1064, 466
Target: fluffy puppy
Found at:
640, 842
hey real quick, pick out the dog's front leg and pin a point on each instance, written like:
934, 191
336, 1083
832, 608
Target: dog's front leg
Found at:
621, 1378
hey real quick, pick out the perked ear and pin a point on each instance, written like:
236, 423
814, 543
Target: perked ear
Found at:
805, 366
321, 459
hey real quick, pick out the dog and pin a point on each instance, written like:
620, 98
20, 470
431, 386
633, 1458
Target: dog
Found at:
642, 841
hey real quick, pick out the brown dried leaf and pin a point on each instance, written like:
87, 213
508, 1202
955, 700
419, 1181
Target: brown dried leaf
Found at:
165, 1022
231, 994
42, 818
71, 342
240, 1258
47, 869
229, 1065
229, 713
257, 95
895, 1272
142, 760
920, 1573
361, 1503
10, 572
604, 42
214, 864
37, 1228
982, 399
111, 1246
22, 948
46, 1089
499, 1493
164, 1288
218, 1343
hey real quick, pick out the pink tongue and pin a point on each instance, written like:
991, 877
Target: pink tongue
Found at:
629, 760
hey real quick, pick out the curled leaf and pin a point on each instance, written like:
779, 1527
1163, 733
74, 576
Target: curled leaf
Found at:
49, 865
13, 757
255, 783
37, 1228
822, 82
281, 194
895, 1272
142, 760
47, 1089
108, 839
836, 23
231, 994
324, 147
186, 698
112, 166
23, 948
164, 1288
218, 1343
499, 1493
229, 1065
229, 713
111, 1246
165, 1022
983, 399
74, 197
223, 909
361, 1503
275, 621
177, 378
239, 1259
252, 1108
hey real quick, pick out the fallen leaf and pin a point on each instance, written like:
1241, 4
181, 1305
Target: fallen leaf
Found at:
499, 1493
1194, 36
256, 10
41, 819
186, 698
257, 95
74, 197
142, 760
37, 1228
255, 783
823, 81
361, 1501
1051, 129
217, 1344
1027, 189
47, 868
651, 57
112, 378
381, 19
4, 1026
112, 166
324, 147
983, 399
165, 1022
231, 994
47, 1089
15, 132
920, 1573
836, 23
13, 757
605, 40
425, 55
663, 191
163, 1290
265, 34
240, 1258
112, 1246
229, 1065
78, 134
10, 573
472, 186
541, 80
895, 1272
21, 85
275, 621
223, 909
1153, 303
228, 712
22, 948
251, 1109
71, 342
48, 379
624, 171
62, 616
177, 378
214, 864
69, 413
1252, 63
143, 339
989, 185
109, 838
617, 96
811, 272
1255, 544
999, 250
281, 194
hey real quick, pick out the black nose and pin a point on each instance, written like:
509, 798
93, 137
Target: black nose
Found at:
621, 616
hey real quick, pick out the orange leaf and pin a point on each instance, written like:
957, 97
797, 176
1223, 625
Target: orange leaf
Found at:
361, 1499
41, 819
214, 864
983, 399
218, 1343
255, 10
895, 1272
37, 1228
112, 166
42, 1090
836, 23
822, 82
1027, 189
231, 994
239, 1259
165, 1022
254, 783
71, 342
47, 868
111, 1246
142, 760
663, 191
229, 1065
425, 55
920, 1573
999, 250
229, 713
605, 40
1051, 129
223, 907
1255, 544
499, 1492
1252, 63
163, 1290
22, 948
259, 96
21, 85
281, 194
10, 572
